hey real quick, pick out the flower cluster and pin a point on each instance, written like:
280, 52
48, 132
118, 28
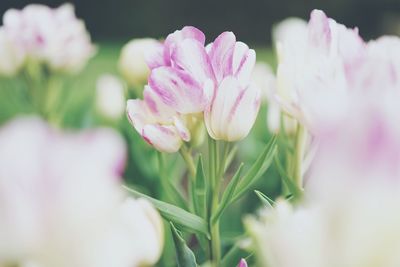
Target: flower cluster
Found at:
345, 91
62, 204
38, 34
190, 79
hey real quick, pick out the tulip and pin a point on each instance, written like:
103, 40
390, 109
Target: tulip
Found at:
54, 37
185, 82
191, 79
159, 125
134, 58
110, 99
233, 111
236, 102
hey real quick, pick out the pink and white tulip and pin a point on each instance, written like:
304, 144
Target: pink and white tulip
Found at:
158, 124
54, 37
234, 108
189, 79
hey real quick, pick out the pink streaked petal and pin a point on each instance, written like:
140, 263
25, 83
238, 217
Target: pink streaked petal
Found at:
319, 31
154, 56
243, 113
163, 138
242, 263
193, 33
157, 107
138, 114
243, 62
183, 131
178, 90
187, 32
221, 54
216, 116
191, 56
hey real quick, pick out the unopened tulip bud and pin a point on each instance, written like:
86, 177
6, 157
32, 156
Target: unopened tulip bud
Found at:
134, 57
242, 263
110, 99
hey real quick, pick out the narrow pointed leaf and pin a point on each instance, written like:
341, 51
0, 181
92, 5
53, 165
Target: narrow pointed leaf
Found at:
184, 255
294, 190
264, 199
228, 194
199, 190
257, 169
185, 219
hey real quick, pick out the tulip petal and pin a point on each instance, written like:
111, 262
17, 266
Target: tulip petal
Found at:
221, 54
157, 107
191, 56
319, 31
183, 131
154, 55
233, 111
163, 138
244, 113
138, 114
188, 32
243, 62
178, 90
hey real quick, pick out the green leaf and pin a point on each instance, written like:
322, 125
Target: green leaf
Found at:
186, 220
184, 255
257, 169
199, 190
294, 190
228, 194
233, 256
264, 199
171, 192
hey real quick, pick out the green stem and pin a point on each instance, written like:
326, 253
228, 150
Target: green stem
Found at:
187, 157
214, 189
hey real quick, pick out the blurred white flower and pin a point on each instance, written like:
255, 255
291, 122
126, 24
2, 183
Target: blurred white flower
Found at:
134, 59
110, 97
313, 63
54, 37
264, 78
62, 204
355, 227
11, 58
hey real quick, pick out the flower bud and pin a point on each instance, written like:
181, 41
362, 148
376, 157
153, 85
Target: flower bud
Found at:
133, 59
110, 99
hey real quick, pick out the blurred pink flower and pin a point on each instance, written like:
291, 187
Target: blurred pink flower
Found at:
62, 204
51, 36
316, 92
